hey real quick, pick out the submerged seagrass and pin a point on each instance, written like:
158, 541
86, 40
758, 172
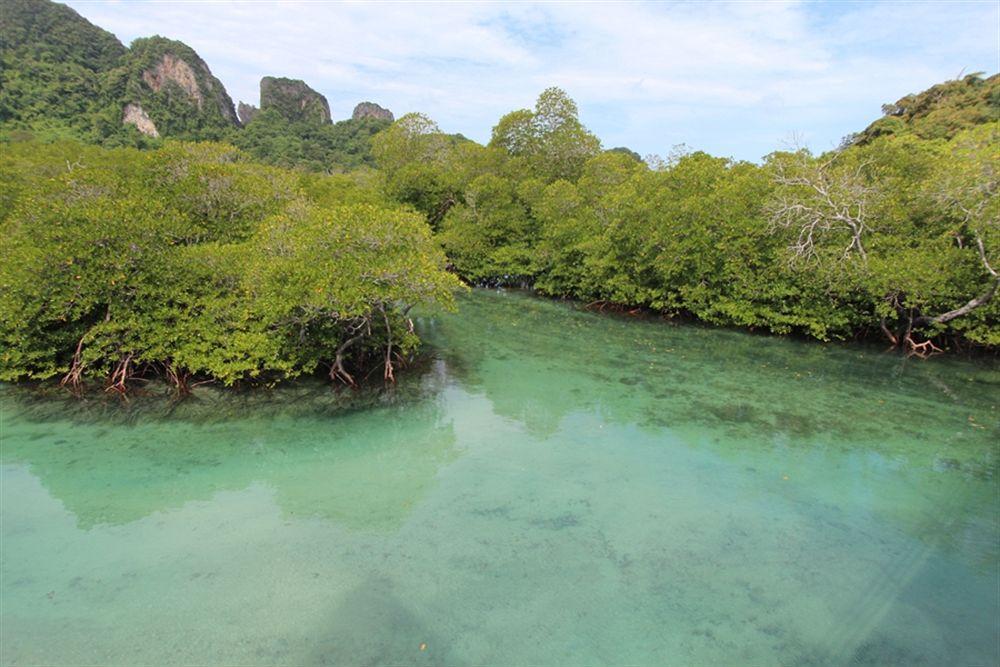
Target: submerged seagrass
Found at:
552, 486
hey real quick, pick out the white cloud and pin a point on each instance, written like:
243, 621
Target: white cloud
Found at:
730, 78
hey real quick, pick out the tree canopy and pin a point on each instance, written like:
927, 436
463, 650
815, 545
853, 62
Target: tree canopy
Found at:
191, 262
293, 244
894, 236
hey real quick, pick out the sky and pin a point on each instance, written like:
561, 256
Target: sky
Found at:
737, 79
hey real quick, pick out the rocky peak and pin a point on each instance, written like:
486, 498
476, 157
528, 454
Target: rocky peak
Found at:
372, 110
293, 99
246, 112
163, 72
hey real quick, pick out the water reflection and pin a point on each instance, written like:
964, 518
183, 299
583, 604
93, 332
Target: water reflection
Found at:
766, 388
550, 487
770, 405
362, 467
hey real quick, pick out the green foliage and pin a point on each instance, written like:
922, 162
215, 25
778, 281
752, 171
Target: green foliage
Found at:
551, 138
63, 77
489, 234
321, 147
941, 111
50, 65
422, 166
192, 258
50, 32
191, 261
702, 236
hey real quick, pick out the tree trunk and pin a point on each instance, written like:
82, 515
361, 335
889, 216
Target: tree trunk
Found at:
337, 370
974, 303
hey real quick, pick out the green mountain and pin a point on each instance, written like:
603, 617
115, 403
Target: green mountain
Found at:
62, 76
51, 66
941, 111
292, 128
166, 82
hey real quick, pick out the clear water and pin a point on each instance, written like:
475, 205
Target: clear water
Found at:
553, 487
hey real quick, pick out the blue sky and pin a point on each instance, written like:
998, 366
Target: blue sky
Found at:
735, 79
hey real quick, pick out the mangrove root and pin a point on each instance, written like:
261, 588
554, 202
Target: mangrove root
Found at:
181, 380
121, 375
72, 379
923, 350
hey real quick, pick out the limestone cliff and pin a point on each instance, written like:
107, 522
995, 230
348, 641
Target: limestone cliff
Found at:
246, 112
293, 100
372, 110
175, 90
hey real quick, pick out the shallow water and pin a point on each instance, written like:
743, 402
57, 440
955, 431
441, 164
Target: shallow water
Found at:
552, 487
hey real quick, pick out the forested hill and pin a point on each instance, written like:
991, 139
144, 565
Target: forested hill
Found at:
52, 63
941, 111
63, 77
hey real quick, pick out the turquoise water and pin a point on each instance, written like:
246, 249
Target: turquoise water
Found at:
551, 487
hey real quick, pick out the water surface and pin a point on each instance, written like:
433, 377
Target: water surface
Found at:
551, 487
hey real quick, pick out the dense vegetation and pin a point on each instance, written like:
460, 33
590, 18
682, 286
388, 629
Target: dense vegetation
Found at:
194, 264
63, 77
50, 67
941, 111
897, 236
322, 147
235, 261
